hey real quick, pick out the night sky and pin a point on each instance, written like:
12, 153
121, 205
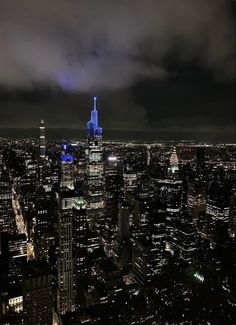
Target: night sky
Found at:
155, 65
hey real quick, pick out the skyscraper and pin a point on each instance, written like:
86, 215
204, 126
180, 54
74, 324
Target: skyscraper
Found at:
113, 186
65, 298
80, 245
42, 153
80, 235
17, 247
95, 170
158, 238
43, 228
7, 221
42, 140
67, 171
168, 196
93, 130
123, 222
186, 239
196, 198
174, 163
142, 266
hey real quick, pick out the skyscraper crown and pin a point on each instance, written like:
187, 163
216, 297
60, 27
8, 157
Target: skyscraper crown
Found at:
174, 161
93, 130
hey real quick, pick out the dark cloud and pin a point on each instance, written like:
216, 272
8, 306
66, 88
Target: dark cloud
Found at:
113, 48
108, 44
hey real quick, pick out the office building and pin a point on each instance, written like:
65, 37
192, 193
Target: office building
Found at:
80, 245
123, 223
67, 171
7, 220
66, 291
17, 247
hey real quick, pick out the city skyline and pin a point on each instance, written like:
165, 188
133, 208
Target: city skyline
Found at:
117, 162
217, 136
114, 232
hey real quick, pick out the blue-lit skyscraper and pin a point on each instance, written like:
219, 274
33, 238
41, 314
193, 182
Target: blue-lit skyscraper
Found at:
93, 130
95, 171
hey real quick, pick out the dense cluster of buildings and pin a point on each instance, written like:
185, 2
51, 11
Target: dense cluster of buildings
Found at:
116, 233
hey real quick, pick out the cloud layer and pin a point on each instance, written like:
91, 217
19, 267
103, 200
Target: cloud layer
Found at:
108, 44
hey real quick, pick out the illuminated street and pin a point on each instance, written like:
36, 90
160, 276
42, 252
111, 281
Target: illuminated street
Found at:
20, 224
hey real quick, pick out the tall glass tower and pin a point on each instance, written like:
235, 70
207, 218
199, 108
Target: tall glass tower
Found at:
94, 171
66, 291
42, 140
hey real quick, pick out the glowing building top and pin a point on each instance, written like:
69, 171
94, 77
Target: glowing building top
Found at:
93, 130
174, 162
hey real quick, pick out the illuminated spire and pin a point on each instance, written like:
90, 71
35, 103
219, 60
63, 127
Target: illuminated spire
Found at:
93, 130
94, 103
174, 162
